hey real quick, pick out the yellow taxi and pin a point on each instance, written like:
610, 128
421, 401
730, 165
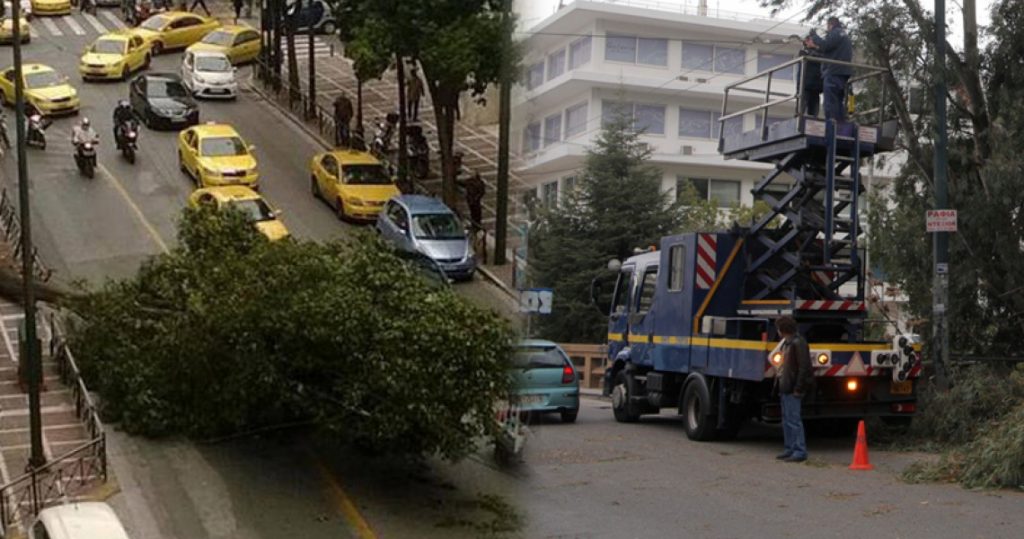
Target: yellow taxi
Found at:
51, 7
46, 91
114, 56
249, 202
214, 154
174, 30
240, 44
354, 183
7, 30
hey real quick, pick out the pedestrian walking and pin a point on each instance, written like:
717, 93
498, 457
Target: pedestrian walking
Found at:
475, 190
793, 381
237, 4
835, 45
413, 95
342, 117
810, 94
200, 3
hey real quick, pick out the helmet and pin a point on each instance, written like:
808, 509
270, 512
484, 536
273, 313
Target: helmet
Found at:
123, 103
85, 122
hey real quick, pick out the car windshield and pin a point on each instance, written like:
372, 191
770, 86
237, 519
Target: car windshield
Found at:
538, 357
154, 23
216, 64
219, 38
365, 175
165, 88
254, 209
222, 146
42, 79
109, 46
437, 226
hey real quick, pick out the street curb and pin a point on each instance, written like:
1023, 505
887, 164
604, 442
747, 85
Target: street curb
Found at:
493, 279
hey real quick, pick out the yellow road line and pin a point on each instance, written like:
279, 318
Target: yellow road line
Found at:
348, 508
135, 208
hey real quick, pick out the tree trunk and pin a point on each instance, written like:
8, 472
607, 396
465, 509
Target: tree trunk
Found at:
294, 91
275, 51
403, 156
359, 104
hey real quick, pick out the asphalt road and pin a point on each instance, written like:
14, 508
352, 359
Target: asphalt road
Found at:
602, 479
93, 230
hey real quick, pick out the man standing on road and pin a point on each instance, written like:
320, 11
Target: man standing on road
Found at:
200, 3
413, 95
793, 381
835, 45
342, 116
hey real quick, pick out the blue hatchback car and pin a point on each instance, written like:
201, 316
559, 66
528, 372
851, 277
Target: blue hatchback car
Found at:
546, 380
423, 224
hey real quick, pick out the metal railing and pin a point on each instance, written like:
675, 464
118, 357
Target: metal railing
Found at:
10, 226
71, 474
864, 74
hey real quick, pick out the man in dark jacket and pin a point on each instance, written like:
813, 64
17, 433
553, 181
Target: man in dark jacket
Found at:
810, 95
794, 380
342, 116
835, 45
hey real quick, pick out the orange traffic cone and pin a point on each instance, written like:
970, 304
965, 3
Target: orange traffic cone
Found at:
860, 451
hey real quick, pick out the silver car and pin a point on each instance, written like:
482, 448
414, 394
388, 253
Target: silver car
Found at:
422, 224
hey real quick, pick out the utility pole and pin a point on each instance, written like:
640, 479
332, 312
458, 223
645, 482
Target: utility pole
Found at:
403, 157
30, 349
312, 70
504, 118
940, 285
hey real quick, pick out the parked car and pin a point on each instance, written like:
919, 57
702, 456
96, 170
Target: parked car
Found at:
355, 183
84, 520
431, 271
160, 100
546, 380
209, 74
317, 13
423, 224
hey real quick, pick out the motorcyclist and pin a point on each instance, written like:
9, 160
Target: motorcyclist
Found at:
83, 133
122, 115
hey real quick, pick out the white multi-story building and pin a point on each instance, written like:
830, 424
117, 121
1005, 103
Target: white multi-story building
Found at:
664, 64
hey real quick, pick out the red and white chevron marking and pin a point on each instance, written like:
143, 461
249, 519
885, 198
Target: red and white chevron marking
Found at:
840, 370
707, 247
828, 305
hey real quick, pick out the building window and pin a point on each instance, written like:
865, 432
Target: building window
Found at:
535, 75
697, 56
649, 119
733, 126
724, 193
531, 137
652, 51
549, 194
767, 60
730, 60
612, 110
556, 64
675, 268
695, 123
552, 129
575, 120
579, 52
620, 48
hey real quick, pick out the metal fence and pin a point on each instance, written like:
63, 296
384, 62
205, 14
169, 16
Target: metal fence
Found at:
71, 474
10, 226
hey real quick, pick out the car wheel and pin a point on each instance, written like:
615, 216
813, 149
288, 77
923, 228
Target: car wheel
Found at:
697, 416
146, 61
624, 410
314, 187
341, 211
569, 416
329, 28
182, 167
125, 72
157, 48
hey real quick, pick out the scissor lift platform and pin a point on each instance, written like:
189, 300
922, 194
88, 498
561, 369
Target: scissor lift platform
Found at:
803, 133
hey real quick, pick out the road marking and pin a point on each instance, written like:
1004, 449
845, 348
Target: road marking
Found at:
95, 23
135, 208
118, 23
75, 27
348, 509
51, 26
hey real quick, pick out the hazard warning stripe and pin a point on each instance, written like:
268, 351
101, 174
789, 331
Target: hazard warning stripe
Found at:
828, 305
706, 260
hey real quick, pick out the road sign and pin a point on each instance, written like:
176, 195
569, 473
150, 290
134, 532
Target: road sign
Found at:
536, 300
941, 221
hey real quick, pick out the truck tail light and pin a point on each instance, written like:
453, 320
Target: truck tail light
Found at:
903, 408
852, 384
568, 375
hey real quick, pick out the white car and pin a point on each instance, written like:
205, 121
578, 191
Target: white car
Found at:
85, 520
26, 8
209, 74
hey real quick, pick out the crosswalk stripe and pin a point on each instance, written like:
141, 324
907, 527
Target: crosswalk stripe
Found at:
95, 23
75, 27
118, 23
51, 26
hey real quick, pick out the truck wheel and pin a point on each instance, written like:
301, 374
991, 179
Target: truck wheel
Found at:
624, 410
697, 417
569, 416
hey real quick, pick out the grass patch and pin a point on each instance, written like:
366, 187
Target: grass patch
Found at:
487, 516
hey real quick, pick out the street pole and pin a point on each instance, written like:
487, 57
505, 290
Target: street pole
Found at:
940, 290
403, 157
312, 74
504, 118
264, 72
30, 350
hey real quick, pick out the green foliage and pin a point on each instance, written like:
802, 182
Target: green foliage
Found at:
229, 332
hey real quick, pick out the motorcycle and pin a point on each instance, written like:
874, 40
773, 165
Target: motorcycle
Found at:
129, 140
34, 135
85, 158
419, 152
380, 146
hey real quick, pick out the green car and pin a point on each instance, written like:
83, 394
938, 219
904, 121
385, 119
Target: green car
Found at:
546, 380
